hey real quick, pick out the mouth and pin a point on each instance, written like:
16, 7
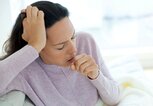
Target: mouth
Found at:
71, 60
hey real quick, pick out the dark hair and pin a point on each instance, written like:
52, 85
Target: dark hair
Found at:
53, 12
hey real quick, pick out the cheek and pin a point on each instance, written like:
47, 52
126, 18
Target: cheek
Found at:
57, 55
48, 53
61, 54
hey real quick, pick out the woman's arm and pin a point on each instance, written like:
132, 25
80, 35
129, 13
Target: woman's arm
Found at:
14, 64
35, 35
107, 87
89, 64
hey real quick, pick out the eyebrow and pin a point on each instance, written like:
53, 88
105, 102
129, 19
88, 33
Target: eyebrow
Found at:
64, 41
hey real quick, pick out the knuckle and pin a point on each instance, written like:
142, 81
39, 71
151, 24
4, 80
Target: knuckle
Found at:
41, 12
77, 63
34, 7
86, 70
81, 68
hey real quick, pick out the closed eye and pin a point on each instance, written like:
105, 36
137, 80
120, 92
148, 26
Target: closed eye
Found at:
64, 44
61, 47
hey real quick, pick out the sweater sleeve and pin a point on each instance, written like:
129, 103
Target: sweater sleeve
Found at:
107, 87
14, 64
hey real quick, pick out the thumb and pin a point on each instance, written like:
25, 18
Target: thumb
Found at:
24, 37
73, 66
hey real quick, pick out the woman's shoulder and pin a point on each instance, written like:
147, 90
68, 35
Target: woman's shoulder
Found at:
84, 38
84, 42
84, 35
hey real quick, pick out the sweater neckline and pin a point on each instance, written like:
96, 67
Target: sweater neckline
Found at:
51, 67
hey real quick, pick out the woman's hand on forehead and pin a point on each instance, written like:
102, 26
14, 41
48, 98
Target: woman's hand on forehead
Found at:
34, 32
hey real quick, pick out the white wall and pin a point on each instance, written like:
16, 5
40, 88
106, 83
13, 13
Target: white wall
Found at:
144, 54
5, 21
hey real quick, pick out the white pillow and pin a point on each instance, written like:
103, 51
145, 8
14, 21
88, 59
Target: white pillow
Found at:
125, 65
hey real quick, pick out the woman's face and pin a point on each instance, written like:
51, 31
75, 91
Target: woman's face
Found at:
60, 47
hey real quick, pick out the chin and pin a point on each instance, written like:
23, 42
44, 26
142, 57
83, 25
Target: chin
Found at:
65, 65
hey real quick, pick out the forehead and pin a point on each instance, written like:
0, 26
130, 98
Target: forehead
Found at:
60, 31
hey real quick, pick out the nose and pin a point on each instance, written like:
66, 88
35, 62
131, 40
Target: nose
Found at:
72, 48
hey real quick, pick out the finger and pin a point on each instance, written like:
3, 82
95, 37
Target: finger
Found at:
90, 69
84, 66
40, 14
80, 59
34, 12
28, 12
78, 56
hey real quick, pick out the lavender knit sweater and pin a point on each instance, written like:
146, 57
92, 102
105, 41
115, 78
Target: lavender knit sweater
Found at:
52, 85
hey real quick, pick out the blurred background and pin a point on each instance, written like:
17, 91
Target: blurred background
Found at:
120, 27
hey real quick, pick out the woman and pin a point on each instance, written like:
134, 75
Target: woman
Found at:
51, 63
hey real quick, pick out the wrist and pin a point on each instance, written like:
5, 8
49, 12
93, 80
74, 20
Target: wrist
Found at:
37, 47
95, 76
